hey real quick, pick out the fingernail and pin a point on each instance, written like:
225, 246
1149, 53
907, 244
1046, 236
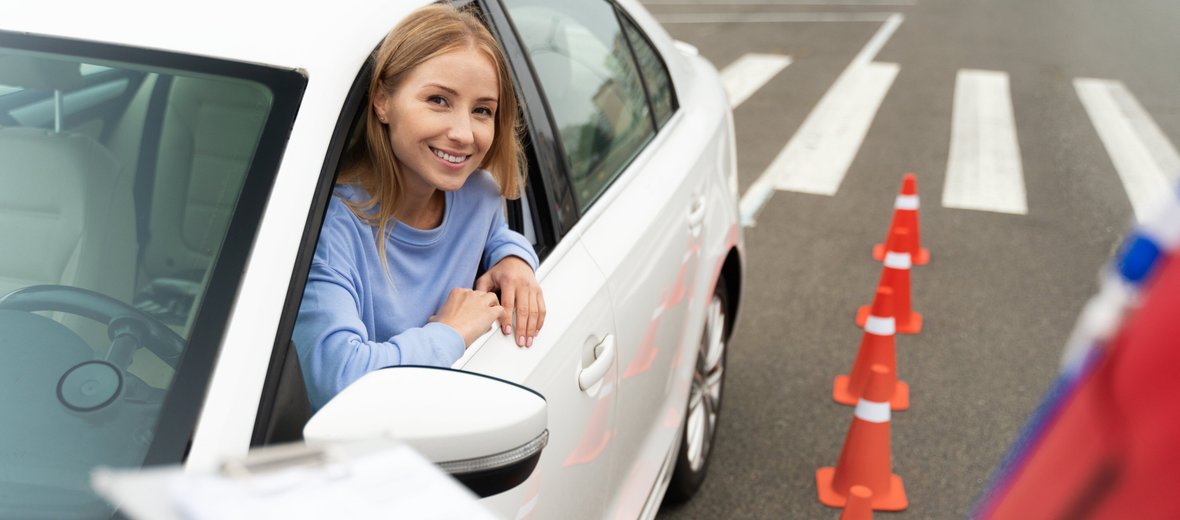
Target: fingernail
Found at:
508, 330
530, 342
520, 341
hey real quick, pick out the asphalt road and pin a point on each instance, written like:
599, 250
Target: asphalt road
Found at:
1002, 290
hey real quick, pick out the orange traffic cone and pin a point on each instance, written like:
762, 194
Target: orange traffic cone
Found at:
905, 214
865, 458
860, 505
876, 348
896, 275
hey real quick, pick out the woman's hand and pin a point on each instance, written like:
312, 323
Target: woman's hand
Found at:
521, 295
469, 312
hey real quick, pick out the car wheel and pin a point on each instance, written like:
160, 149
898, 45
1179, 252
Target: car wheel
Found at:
704, 400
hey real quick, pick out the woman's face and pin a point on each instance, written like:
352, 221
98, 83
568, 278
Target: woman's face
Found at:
442, 118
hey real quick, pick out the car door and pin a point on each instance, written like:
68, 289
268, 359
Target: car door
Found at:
642, 205
574, 360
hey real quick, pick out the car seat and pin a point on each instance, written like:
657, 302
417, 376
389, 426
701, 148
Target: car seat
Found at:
66, 203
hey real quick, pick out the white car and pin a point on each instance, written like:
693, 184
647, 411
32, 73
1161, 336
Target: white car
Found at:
164, 172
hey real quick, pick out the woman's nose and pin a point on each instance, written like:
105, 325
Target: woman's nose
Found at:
460, 130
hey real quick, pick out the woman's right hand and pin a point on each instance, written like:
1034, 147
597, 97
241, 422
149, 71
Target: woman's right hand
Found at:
470, 313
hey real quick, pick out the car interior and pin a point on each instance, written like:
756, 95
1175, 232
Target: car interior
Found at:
120, 180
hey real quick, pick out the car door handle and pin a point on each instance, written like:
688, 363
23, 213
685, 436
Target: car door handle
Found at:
696, 211
604, 357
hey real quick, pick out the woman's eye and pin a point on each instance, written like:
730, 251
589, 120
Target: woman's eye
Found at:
483, 111
437, 100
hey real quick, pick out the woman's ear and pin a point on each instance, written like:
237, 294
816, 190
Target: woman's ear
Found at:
379, 106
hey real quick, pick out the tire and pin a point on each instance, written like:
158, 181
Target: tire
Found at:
704, 401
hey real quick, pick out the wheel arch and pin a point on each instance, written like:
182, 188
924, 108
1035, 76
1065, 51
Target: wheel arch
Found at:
731, 272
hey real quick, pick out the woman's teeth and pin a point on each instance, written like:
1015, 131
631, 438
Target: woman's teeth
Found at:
448, 157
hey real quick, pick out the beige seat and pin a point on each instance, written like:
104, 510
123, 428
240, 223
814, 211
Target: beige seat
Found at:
66, 214
208, 136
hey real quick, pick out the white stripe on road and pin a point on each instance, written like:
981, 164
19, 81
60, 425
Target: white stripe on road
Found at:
705, 18
984, 170
855, 86
1143, 156
819, 154
749, 73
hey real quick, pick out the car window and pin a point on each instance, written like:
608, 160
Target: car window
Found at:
592, 84
110, 246
655, 73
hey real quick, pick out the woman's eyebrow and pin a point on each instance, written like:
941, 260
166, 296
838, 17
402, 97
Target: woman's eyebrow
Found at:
455, 93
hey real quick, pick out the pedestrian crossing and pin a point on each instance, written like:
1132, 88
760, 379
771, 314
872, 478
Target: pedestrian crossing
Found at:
1142, 155
985, 170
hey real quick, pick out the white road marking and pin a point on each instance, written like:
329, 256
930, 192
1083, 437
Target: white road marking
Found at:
706, 18
749, 73
841, 117
984, 170
1144, 158
818, 156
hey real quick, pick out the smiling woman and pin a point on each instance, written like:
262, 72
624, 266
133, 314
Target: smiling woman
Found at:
417, 214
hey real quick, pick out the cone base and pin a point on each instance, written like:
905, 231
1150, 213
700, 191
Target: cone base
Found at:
910, 326
893, 500
900, 400
922, 258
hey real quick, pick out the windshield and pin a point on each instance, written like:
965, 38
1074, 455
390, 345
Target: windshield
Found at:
132, 184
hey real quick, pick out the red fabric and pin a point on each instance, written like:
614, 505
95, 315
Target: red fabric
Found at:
1114, 450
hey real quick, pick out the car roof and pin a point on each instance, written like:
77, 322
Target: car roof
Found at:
297, 34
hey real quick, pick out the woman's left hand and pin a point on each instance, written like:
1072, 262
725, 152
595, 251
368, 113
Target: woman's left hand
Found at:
520, 295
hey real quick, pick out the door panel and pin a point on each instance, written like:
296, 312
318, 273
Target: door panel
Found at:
573, 475
646, 239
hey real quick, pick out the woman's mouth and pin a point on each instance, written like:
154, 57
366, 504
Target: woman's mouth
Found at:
453, 159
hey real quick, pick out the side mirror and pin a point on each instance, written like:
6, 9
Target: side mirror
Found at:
486, 432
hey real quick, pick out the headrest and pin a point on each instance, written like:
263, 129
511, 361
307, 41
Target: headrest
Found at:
39, 73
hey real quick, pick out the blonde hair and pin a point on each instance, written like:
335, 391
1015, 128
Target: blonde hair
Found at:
426, 33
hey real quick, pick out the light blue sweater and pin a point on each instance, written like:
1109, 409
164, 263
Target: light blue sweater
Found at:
354, 319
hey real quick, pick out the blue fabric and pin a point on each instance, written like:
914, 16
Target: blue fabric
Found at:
355, 318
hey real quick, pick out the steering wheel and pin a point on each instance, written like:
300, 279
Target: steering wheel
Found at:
119, 317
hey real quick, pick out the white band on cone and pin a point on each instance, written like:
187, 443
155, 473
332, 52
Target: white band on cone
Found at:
906, 202
880, 326
894, 260
872, 412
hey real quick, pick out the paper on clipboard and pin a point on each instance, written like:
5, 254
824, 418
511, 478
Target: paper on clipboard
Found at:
385, 480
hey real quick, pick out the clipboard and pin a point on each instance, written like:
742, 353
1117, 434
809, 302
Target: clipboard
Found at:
371, 479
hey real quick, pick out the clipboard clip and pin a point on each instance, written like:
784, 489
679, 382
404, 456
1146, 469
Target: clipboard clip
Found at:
271, 459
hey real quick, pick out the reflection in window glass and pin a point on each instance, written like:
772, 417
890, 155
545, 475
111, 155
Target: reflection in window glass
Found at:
105, 266
592, 85
659, 85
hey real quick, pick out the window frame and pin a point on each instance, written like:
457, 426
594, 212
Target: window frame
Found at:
562, 166
552, 170
185, 396
626, 19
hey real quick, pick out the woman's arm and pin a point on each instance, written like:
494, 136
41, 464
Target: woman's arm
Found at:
333, 345
511, 263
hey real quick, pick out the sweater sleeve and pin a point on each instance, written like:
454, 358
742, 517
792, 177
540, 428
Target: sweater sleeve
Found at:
331, 339
503, 242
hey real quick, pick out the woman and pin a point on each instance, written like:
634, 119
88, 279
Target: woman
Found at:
418, 210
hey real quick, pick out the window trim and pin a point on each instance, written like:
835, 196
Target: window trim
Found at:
674, 100
584, 207
557, 188
355, 104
